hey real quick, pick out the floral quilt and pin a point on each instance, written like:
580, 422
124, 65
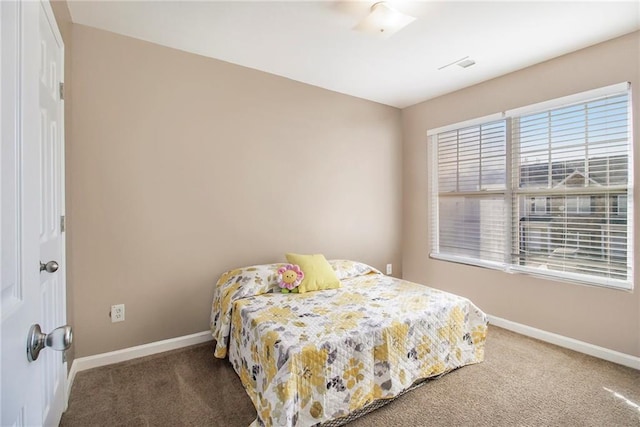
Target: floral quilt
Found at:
305, 359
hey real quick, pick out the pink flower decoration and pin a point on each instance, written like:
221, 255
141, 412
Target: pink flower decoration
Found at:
290, 276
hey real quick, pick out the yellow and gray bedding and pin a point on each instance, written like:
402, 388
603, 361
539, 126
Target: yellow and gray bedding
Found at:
308, 358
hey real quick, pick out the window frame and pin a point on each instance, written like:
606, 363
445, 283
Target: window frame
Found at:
512, 193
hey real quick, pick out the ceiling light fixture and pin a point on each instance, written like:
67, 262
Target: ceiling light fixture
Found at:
384, 21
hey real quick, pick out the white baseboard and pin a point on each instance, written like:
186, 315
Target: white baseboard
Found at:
566, 342
84, 363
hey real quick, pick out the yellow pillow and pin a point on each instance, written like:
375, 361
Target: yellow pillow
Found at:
318, 273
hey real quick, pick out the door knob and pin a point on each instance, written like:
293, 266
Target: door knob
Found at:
59, 339
50, 267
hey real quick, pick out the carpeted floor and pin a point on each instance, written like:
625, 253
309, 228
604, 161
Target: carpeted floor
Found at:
522, 382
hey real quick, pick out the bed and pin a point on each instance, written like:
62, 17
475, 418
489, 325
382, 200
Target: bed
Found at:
317, 357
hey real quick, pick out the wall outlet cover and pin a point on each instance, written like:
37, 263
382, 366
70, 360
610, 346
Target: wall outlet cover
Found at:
117, 313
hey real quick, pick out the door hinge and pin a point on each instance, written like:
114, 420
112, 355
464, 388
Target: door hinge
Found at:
61, 90
63, 224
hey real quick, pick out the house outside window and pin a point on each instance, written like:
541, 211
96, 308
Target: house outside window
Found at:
540, 190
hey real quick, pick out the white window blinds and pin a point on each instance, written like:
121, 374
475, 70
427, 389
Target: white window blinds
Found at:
546, 190
471, 184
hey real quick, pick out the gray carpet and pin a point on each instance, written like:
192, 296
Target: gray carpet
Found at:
522, 382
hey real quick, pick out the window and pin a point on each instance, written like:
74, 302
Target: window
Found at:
539, 206
621, 205
579, 204
541, 190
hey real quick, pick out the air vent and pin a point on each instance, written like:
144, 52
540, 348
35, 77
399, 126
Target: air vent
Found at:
466, 63
463, 62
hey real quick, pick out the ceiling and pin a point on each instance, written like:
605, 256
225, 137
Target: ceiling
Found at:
314, 41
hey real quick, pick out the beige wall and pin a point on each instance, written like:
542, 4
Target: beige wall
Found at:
181, 167
604, 317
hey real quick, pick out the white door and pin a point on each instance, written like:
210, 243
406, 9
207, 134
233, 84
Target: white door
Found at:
21, 381
32, 190
51, 238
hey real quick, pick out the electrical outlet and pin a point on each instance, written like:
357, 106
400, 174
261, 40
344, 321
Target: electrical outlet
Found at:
117, 313
389, 268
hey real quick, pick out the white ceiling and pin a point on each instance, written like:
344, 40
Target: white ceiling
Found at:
313, 41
